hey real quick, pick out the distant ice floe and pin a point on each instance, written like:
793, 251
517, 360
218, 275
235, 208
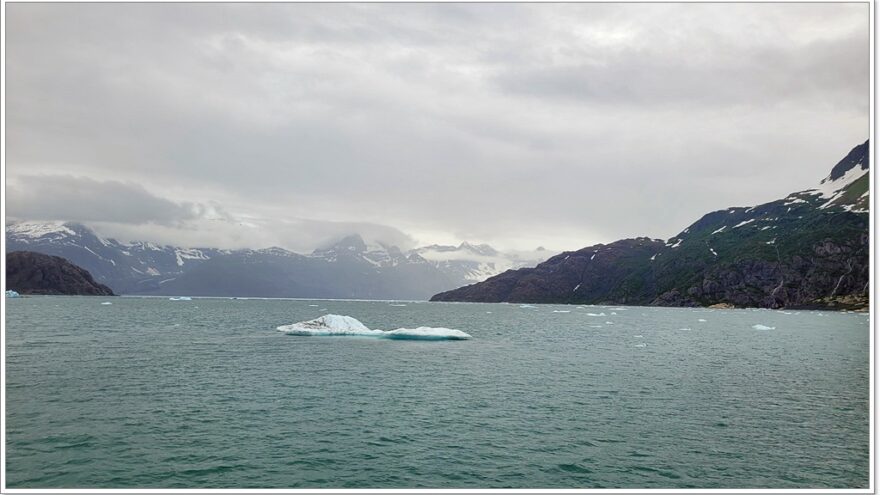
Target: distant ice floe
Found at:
560, 311
340, 326
106, 303
12, 294
526, 306
595, 314
181, 298
398, 305
701, 320
763, 327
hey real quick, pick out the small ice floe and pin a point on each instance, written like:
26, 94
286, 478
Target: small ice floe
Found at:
106, 303
181, 298
641, 345
638, 336
313, 305
338, 325
526, 306
701, 320
488, 312
560, 311
12, 294
398, 305
763, 327
609, 323
595, 314
613, 313
685, 329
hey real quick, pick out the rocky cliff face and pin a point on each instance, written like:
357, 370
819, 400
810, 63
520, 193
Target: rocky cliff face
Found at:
35, 273
809, 249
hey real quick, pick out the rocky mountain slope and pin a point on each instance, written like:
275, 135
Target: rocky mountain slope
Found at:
35, 273
347, 269
809, 249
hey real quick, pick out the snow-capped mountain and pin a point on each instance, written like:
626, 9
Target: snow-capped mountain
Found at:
810, 248
475, 263
347, 269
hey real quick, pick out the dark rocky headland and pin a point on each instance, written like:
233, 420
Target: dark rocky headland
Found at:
35, 273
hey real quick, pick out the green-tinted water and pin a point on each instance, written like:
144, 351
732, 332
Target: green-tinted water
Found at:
206, 393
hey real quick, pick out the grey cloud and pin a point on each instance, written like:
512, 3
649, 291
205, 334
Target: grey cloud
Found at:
516, 124
83, 199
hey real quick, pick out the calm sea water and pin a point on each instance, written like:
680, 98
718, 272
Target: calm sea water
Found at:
206, 393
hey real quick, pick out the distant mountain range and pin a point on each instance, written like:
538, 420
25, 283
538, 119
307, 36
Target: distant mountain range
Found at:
809, 249
349, 269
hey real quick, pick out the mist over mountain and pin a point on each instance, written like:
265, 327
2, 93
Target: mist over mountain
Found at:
349, 268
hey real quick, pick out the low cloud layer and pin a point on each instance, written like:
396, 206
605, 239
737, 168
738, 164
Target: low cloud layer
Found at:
514, 124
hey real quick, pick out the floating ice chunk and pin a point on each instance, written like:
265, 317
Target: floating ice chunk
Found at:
609, 323
181, 298
613, 313
426, 333
338, 325
398, 305
560, 311
313, 305
702, 320
685, 329
641, 345
12, 294
638, 336
595, 314
329, 325
106, 303
526, 306
763, 327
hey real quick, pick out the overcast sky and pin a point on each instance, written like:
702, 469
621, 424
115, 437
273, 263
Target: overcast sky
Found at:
519, 125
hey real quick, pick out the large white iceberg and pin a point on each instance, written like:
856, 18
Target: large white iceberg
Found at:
338, 325
329, 325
